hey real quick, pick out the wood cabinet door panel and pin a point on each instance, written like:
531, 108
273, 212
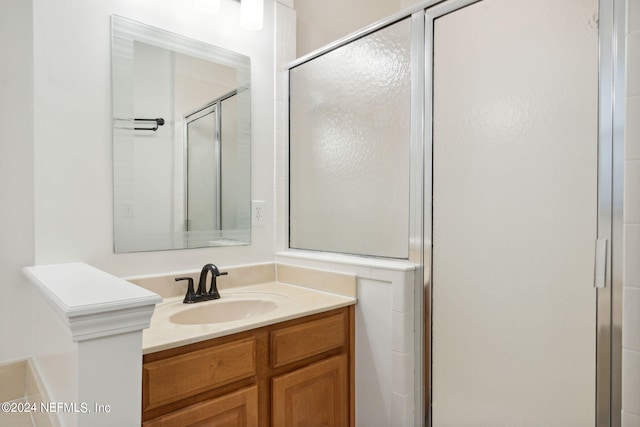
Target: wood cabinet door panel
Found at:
238, 409
317, 395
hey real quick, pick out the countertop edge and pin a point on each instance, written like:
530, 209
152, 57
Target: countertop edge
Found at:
339, 302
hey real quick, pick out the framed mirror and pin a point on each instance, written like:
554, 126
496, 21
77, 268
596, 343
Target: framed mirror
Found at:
181, 141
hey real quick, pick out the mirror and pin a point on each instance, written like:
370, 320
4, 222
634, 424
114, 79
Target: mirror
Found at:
181, 141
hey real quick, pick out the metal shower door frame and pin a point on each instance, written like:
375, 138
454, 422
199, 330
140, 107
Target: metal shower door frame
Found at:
209, 108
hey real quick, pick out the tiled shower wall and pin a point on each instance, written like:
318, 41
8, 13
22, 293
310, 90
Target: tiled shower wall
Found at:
631, 281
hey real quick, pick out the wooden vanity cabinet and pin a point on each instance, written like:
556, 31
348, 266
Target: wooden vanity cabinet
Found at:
295, 373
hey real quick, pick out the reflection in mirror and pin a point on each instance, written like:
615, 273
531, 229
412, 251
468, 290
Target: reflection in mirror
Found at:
203, 174
181, 138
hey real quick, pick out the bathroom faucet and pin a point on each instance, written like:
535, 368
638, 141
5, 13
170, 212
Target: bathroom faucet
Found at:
202, 284
201, 294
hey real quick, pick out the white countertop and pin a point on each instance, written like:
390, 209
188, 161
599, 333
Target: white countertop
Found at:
293, 302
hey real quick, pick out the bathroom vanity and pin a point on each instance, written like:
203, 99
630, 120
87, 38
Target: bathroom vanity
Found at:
279, 375
283, 355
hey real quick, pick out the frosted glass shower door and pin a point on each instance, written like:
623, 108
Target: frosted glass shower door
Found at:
349, 146
515, 92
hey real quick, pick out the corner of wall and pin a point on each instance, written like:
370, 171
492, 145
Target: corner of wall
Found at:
16, 177
285, 52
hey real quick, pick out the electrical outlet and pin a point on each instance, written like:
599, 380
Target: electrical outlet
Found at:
258, 212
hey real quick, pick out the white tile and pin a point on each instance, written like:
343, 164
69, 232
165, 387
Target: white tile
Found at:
289, 23
632, 255
402, 372
633, 64
402, 409
633, 15
282, 218
281, 202
630, 420
282, 171
631, 381
285, 45
387, 275
632, 192
282, 116
402, 330
282, 85
281, 242
403, 294
288, 3
282, 145
632, 131
631, 322
373, 359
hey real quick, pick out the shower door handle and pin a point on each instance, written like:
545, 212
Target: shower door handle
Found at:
600, 270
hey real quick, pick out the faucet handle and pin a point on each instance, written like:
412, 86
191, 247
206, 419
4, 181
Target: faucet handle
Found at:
190, 297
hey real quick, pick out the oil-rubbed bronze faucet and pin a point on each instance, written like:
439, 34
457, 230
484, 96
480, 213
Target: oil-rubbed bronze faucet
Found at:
202, 285
202, 294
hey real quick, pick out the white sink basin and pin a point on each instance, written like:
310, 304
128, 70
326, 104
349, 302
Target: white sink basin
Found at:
223, 310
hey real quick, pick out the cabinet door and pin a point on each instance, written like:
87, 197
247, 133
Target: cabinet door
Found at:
238, 409
317, 395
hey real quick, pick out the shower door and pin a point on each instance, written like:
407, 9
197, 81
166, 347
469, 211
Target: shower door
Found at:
515, 158
202, 136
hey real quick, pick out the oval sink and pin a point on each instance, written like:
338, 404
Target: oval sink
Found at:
223, 311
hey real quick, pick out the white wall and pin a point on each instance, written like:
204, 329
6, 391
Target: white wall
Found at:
73, 179
320, 23
16, 177
631, 277
154, 96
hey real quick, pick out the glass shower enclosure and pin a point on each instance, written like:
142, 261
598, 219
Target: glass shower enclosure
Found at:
465, 137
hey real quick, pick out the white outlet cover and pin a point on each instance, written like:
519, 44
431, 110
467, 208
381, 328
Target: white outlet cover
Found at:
258, 211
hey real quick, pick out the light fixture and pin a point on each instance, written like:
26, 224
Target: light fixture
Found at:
209, 7
251, 14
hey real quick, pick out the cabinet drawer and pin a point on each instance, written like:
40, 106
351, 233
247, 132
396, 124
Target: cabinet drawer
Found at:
238, 409
308, 339
178, 377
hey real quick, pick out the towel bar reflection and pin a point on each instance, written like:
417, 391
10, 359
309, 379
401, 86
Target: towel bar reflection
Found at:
156, 122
